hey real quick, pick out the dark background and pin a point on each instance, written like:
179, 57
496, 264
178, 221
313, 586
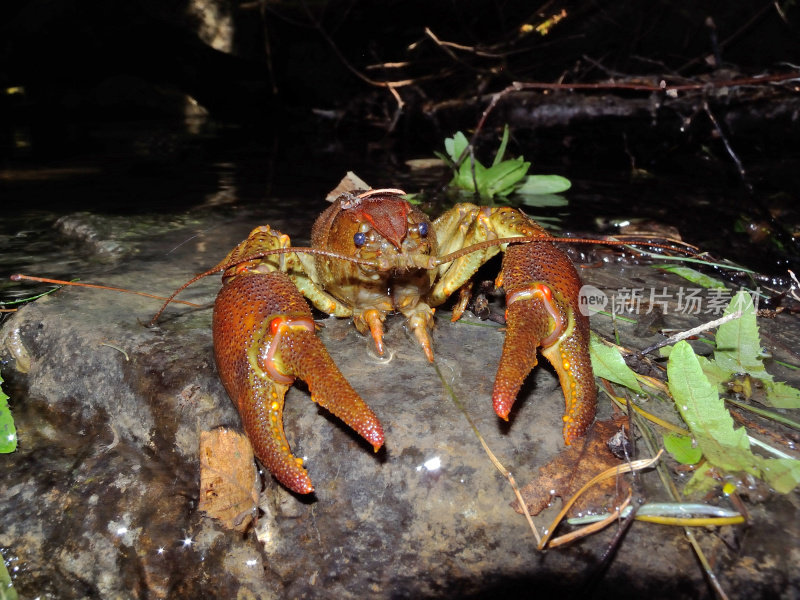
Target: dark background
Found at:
89, 61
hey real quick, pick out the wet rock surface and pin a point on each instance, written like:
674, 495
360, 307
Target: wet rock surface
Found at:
100, 500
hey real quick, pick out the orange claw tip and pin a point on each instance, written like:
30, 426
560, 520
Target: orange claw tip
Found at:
374, 435
503, 407
303, 489
298, 483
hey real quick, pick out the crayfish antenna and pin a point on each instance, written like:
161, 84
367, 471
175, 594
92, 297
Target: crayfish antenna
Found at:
61, 282
548, 239
171, 298
224, 266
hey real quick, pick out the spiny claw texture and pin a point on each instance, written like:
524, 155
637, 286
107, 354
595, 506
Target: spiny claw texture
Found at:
254, 335
542, 310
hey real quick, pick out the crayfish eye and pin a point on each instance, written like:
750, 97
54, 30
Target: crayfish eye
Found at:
423, 229
360, 239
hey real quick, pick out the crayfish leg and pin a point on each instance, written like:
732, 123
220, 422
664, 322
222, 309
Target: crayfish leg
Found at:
371, 320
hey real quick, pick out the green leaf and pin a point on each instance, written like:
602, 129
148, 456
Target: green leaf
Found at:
739, 351
502, 149
702, 481
697, 277
738, 343
782, 474
781, 395
502, 178
608, 363
714, 373
711, 425
8, 433
705, 414
456, 145
682, 449
7, 591
544, 184
464, 178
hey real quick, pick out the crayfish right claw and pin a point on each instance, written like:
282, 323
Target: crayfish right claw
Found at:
263, 338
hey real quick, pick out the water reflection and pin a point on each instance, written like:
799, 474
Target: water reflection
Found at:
431, 465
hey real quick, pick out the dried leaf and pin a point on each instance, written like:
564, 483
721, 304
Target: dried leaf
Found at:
572, 468
229, 483
349, 183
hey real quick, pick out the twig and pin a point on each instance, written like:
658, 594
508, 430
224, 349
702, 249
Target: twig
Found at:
445, 46
498, 465
125, 354
689, 333
662, 86
611, 472
594, 527
728, 147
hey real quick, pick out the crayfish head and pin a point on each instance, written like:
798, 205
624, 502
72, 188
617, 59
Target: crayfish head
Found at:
379, 226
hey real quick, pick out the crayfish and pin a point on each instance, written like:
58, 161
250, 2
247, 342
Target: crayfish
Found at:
372, 253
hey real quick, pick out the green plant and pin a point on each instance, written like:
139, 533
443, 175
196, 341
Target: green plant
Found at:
695, 382
500, 179
738, 351
725, 448
7, 591
8, 433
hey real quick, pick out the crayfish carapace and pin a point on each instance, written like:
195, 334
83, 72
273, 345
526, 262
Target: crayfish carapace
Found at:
373, 253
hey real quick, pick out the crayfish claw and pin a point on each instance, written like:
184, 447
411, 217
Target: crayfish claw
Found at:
542, 310
304, 355
263, 338
526, 325
263, 423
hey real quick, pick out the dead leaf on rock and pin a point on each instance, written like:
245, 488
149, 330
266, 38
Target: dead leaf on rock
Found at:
349, 183
229, 483
572, 468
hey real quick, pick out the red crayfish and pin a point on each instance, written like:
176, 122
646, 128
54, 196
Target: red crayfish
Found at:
373, 253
